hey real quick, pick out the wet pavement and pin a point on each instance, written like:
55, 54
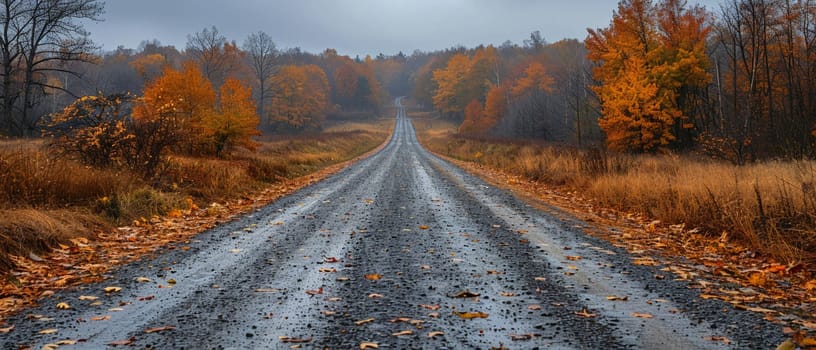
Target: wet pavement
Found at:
402, 250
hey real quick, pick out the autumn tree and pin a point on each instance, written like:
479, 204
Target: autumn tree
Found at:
235, 121
39, 37
174, 109
300, 98
474, 113
217, 58
666, 44
263, 56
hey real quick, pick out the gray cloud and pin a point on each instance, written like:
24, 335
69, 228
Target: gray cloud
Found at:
353, 27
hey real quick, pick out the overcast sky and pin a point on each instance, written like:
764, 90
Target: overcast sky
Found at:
354, 27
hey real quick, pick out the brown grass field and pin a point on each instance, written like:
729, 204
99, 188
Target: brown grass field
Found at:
45, 201
769, 206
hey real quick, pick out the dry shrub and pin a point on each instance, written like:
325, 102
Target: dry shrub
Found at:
24, 231
209, 179
31, 178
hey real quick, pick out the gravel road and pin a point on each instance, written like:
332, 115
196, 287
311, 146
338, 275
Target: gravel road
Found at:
400, 242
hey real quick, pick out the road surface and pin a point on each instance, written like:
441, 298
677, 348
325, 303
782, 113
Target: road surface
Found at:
399, 242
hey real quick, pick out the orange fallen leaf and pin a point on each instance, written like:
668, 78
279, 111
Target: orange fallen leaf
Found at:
573, 257
400, 319
122, 342
88, 297
112, 289
534, 307
642, 315
48, 331
63, 306
407, 332
424, 227
285, 339
100, 318
362, 322
327, 270
722, 339
471, 314
541, 279
7, 329
776, 268
364, 346
373, 276
585, 313
430, 307
331, 260
494, 272
508, 294
375, 295
617, 298
159, 329
435, 334
810, 285
315, 291
328, 312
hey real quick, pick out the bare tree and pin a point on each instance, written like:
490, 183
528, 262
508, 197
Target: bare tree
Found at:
39, 37
263, 57
216, 57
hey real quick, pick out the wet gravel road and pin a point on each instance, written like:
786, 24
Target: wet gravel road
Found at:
399, 242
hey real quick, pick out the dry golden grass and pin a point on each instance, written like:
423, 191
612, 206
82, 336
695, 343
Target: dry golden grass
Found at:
44, 201
770, 207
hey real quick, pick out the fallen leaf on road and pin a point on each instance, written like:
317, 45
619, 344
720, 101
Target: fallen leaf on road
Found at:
48, 331
63, 306
465, 294
147, 298
722, 339
235, 251
471, 314
508, 294
142, 279
534, 307
424, 227
114, 309
331, 260
408, 332
644, 261
430, 307
285, 339
88, 297
433, 315
494, 272
375, 295
364, 346
112, 289
400, 319
541, 279
425, 267
435, 334
362, 322
267, 290
373, 276
617, 298
7, 329
328, 270
159, 329
328, 312
573, 257
642, 315
122, 342
315, 291
100, 318
528, 336
171, 281
342, 279
585, 313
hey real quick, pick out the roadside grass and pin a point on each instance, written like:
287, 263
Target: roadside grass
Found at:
45, 201
770, 207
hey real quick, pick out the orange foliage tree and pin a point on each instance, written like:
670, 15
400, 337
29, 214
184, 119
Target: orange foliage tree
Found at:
300, 97
236, 120
665, 44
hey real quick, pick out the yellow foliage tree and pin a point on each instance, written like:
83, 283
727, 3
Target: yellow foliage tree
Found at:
236, 120
535, 78
300, 97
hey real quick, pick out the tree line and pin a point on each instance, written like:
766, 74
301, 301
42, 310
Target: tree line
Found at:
735, 82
